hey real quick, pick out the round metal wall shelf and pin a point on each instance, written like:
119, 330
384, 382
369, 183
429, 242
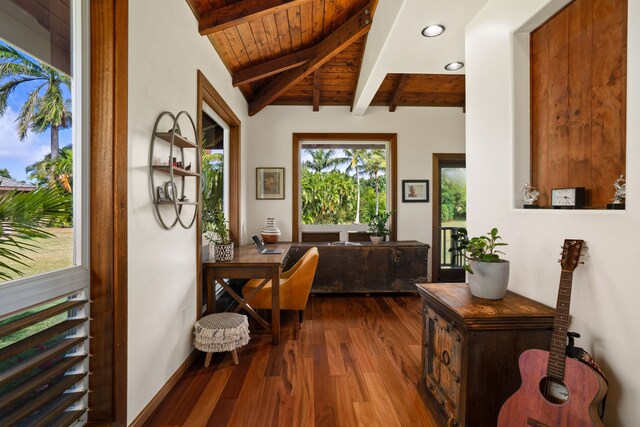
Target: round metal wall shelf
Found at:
176, 197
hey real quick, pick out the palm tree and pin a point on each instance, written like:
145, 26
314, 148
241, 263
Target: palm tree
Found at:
59, 169
353, 160
45, 107
22, 216
374, 163
321, 160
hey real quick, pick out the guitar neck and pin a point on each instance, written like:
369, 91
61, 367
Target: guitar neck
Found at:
555, 366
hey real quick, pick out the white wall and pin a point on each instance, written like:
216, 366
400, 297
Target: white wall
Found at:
606, 289
421, 131
165, 51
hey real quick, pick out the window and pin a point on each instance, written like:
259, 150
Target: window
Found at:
44, 280
340, 181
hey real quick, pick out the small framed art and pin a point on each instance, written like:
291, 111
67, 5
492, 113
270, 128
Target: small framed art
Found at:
415, 190
269, 183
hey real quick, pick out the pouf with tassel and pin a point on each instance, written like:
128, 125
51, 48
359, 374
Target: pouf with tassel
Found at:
220, 332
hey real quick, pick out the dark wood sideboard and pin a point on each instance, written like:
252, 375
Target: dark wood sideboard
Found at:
365, 267
470, 350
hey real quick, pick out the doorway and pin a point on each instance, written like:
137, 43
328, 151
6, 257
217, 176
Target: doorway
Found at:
449, 214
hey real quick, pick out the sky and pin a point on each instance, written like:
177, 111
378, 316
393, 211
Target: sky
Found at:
16, 155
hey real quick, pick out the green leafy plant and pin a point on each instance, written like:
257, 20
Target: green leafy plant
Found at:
216, 228
480, 249
378, 223
23, 217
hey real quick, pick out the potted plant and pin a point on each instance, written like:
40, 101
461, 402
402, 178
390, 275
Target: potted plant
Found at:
216, 231
378, 226
488, 273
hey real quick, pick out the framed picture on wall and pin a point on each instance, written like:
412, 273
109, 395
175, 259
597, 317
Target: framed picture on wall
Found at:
415, 190
269, 183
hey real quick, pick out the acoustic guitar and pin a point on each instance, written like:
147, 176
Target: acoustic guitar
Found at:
556, 391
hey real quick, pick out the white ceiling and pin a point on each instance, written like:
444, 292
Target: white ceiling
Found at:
396, 44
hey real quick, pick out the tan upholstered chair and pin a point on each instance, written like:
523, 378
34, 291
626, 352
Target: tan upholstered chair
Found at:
295, 286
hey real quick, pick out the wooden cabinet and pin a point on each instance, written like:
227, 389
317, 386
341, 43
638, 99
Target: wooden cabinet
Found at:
470, 350
365, 267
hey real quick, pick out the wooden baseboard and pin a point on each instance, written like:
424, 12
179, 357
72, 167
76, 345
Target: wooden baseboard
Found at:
157, 399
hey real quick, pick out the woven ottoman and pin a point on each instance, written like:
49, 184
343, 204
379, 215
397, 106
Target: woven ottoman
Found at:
219, 332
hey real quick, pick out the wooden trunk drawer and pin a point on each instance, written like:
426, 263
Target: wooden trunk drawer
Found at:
365, 267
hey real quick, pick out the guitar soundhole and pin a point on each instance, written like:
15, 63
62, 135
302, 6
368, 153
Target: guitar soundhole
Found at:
554, 391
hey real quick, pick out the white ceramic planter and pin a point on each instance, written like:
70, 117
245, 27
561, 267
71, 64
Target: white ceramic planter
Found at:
490, 279
376, 239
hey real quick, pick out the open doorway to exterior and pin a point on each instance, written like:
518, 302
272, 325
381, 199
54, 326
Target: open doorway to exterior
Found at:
449, 214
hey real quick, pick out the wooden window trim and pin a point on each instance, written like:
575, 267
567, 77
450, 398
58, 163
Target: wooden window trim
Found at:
299, 138
207, 94
108, 211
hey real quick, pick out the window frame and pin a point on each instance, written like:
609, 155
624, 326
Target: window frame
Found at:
392, 174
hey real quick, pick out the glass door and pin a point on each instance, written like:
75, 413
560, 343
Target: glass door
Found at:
450, 214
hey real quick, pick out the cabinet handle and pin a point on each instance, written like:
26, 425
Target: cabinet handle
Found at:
446, 358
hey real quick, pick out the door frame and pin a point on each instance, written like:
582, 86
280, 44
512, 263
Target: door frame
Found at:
439, 159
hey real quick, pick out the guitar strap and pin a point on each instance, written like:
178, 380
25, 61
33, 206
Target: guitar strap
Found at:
581, 355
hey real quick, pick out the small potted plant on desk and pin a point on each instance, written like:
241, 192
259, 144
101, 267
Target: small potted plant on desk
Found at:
378, 226
488, 273
217, 233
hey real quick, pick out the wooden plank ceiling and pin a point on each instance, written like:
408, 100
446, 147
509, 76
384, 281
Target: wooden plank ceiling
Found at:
305, 52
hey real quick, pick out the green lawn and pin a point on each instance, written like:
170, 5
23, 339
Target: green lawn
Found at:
54, 253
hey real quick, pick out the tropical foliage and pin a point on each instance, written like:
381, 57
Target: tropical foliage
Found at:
348, 187
453, 198
212, 184
4, 173
22, 218
45, 107
56, 171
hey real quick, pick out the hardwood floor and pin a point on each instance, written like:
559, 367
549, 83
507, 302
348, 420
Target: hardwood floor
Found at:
356, 363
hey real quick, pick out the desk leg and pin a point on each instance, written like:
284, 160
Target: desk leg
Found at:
211, 294
275, 307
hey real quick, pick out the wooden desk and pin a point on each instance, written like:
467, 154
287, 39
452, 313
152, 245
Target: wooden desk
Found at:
248, 263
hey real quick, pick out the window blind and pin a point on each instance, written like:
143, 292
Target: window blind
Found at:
43, 364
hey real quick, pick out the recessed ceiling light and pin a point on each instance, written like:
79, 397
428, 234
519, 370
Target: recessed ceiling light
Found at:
432, 30
453, 66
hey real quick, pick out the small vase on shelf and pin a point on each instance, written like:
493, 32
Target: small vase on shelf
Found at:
270, 233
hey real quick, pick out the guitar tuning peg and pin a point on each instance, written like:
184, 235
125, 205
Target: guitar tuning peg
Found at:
559, 261
581, 262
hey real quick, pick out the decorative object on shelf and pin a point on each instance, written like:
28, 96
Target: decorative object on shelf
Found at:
488, 273
188, 167
270, 233
270, 183
216, 231
530, 196
567, 198
621, 194
378, 226
415, 191
173, 190
169, 191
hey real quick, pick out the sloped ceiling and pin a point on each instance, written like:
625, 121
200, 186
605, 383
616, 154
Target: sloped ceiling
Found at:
310, 52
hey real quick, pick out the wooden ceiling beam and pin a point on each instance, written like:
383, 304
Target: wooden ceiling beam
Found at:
316, 90
274, 66
332, 45
397, 93
243, 11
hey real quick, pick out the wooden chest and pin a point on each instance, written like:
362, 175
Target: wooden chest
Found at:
365, 267
470, 350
